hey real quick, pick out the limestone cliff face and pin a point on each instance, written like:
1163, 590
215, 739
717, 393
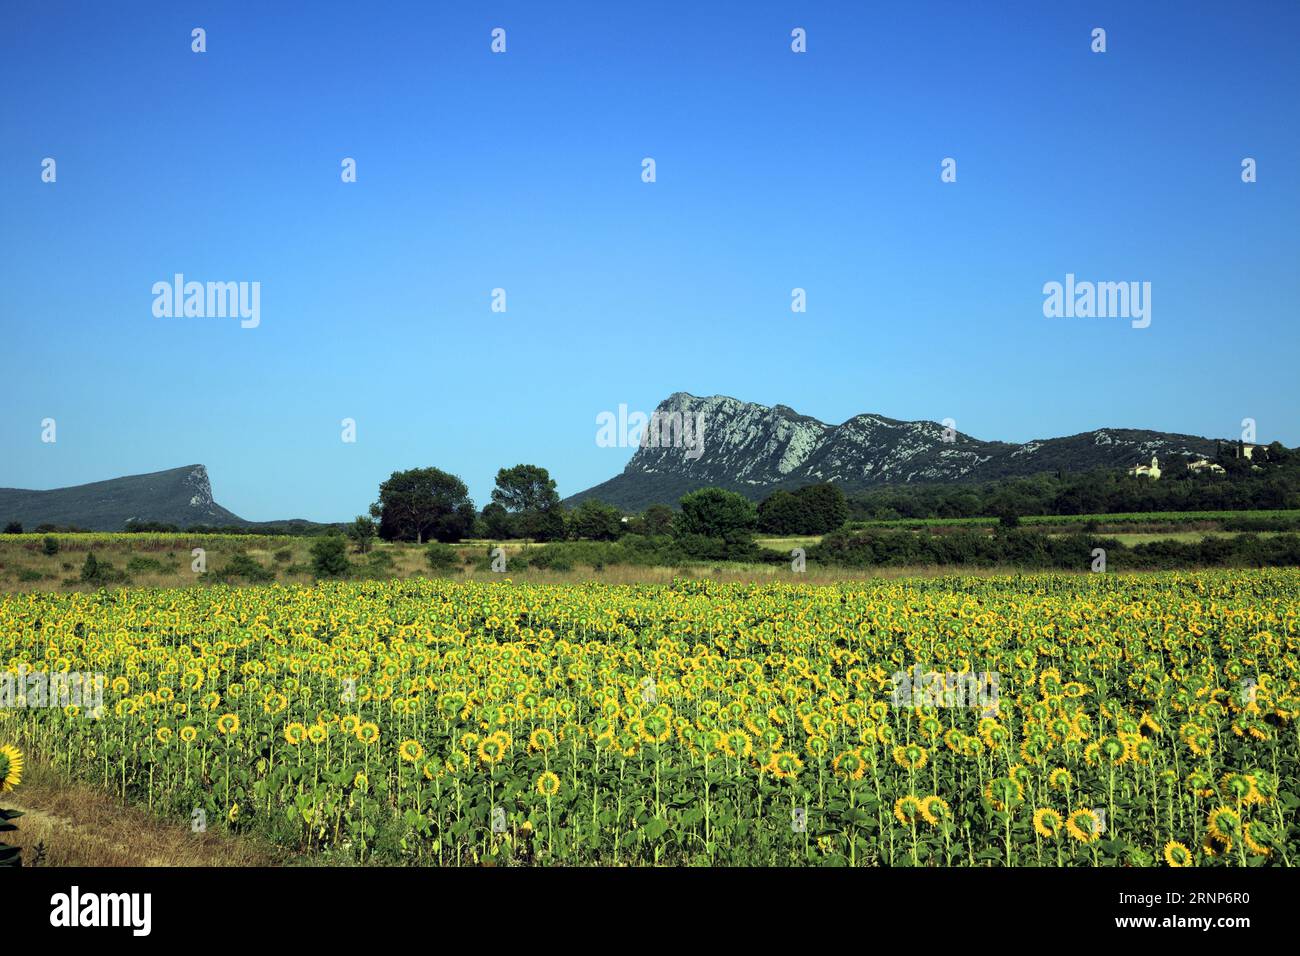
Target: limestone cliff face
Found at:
754, 449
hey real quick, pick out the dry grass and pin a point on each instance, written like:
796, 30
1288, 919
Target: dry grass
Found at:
407, 560
71, 824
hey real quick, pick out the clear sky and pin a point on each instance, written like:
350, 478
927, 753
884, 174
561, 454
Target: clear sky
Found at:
522, 171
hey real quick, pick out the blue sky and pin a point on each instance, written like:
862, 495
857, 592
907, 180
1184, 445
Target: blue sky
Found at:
522, 171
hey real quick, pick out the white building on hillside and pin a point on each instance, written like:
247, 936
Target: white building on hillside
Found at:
1204, 464
1151, 471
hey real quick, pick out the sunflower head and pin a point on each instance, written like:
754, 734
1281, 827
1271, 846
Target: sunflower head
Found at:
1004, 792
410, 751
784, 765
1048, 823
1059, 779
548, 784
907, 810
1084, 826
1224, 823
11, 767
934, 809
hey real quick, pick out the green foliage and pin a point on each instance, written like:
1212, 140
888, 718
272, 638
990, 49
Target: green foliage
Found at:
9, 855
96, 571
50, 545
658, 519
14, 527
362, 531
380, 565
1268, 481
715, 513
441, 557
525, 488
423, 503
329, 557
139, 564
813, 509
528, 495
243, 566
1029, 549
595, 521
498, 523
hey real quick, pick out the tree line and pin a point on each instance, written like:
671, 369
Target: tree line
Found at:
428, 504
1269, 480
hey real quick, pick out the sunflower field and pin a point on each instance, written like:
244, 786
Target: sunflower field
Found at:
1139, 719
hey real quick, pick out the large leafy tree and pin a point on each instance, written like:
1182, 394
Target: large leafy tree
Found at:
813, 509
781, 513
658, 519
715, 513
423, 503
498, 523
824, 506
528, 492
595, 521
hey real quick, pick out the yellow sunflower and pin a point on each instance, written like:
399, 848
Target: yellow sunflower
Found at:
1084, 826
410, 751
228, 724
1047, 823
1177, 854
11, 767
548, 784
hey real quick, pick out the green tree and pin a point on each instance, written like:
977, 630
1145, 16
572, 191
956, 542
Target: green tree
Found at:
498, 524
14, 527
362, 531
715, 513
528, 492
658, 519
596, 521
329, 557
781, 513
423, 503
824, 508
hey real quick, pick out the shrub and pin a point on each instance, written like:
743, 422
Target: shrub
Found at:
139, 564
94, 571
283, 556
441, 557
362, 532
242, 566
329, 557
50, 545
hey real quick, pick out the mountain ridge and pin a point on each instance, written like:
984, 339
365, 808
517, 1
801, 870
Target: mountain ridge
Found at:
756, 449
180, 496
